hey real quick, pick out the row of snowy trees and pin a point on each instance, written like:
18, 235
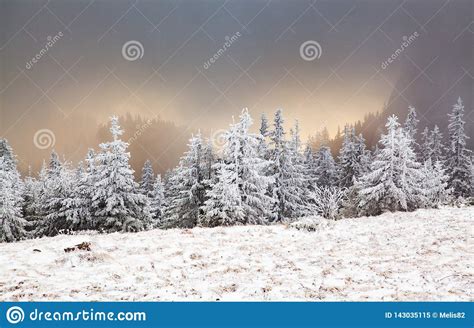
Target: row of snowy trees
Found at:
255, 178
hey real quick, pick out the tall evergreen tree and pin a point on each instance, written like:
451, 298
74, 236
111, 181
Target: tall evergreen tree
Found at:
435, 184
459, 161
310, 168
241, 167
9, 158
157, 201
296, 172
117, 203
58, 186
351, 157
264, 133
326, 174
186, 189
31, 204
438, 149
395, 180
76, 207
287, 193
12, 224
223, 206
432, 145
148, 179
411, 124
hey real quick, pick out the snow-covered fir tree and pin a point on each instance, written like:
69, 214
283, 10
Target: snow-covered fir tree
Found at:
435, 186
76, 207
148, 179
438, 149
351, 158
10, 164
326, 172
459, 159
365, 154
223, 206
117, 204
185, 188
208, 160
6, 152
395, 179
285, 191
12, 224
297, 172
264, 133
432, 145
411, 126
157, 201
310, 169
241, 186
58, 186
31, 202
426, 145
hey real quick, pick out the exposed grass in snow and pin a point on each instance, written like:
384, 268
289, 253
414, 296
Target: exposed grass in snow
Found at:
424, 255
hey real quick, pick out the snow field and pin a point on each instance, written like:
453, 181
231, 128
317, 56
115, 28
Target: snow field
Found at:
425, 255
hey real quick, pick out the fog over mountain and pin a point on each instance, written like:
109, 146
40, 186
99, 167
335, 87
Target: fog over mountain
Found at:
84, 77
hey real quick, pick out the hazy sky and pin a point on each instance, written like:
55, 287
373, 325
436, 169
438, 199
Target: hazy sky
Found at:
84, 76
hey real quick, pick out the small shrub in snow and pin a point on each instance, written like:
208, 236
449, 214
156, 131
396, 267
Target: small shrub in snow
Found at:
311, 223
327, 201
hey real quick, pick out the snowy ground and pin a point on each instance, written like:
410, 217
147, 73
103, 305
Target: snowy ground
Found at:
425, 255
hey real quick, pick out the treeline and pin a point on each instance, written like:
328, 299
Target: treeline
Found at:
254, 178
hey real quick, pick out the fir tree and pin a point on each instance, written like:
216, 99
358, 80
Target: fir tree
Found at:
243, 169
186, 188
326, 174
57, 187
12, 224
350, 158
310, 169
6, 152
148, 176
287, 193
394, 180
296, 172
117, 203
208, 160
264, 133
432, 145
223, 206
426, 145
438, 149
435, 186
157, 201
55, 166
411, 124
76, 207
31, 204
459, 161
